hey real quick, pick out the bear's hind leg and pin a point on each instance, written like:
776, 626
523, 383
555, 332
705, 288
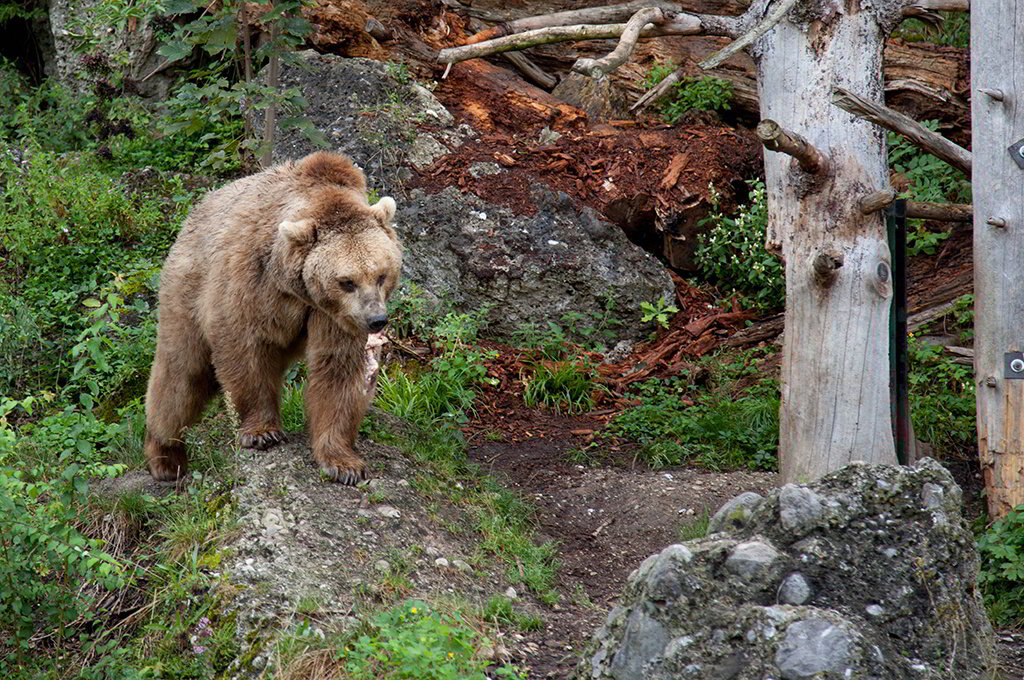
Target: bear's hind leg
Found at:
251, 376
180, 383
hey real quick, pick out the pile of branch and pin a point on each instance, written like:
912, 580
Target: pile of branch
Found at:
927, 80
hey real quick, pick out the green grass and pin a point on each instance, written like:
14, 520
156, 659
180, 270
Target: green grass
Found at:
694, 527
721, 428
565, 386
502, 611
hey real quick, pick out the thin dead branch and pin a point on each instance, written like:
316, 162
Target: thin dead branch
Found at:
659, 90
680, 23
878, 200
919, 135
595, 15
775, 138
530, 70
941, 212
270, 116
748, 38
595, 68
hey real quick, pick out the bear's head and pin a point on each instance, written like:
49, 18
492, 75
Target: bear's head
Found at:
342, 256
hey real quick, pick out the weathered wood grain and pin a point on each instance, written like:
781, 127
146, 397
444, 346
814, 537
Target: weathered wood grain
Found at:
997, 59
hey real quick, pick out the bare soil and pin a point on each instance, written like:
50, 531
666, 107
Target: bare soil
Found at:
605, 519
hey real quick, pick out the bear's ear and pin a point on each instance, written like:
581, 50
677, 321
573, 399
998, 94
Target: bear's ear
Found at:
299, 233
385, 210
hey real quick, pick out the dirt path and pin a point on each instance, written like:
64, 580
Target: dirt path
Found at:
605, 519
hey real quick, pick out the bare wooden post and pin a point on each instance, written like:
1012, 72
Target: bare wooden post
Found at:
997, 58
835, 362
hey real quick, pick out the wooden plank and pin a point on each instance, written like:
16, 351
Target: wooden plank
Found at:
997, 59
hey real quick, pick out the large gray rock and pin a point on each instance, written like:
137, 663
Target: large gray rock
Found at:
133, 44
536, 268
527, 269
868, 573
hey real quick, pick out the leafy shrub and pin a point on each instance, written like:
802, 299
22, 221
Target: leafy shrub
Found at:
49, 571
215, 94
595, 329
658, 72
1001, 577
47, 116
415, 641
551, 342
705, 93
411, 313
697, 94
942, 400
931, 180
565, 386
74, 237
501, 610
731, 253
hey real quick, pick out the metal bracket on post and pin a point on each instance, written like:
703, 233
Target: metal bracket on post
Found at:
1013, 365
1017, 153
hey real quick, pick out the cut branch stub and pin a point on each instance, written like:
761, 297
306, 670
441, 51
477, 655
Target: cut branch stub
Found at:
937, 212
876, 201
918, 7
595, 68
775, 138
825, 266
919, 135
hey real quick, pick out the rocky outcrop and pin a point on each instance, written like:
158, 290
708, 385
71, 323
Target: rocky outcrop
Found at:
305, 543
461, 249
132, 41
868, 573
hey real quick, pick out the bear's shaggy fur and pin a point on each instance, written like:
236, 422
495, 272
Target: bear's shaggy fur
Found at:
290, 261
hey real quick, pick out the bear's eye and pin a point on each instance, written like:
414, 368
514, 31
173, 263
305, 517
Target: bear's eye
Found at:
381, 279
347, 285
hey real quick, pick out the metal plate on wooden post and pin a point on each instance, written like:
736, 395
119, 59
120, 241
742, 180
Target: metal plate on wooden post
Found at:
1013, 365
1017, 153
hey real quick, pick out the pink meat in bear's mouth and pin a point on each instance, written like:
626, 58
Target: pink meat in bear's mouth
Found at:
374, 347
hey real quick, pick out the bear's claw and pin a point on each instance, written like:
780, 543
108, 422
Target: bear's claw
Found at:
263, 440
348, 476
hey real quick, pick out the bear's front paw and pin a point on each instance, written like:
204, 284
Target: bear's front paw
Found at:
166, 462
262, 440
348, 471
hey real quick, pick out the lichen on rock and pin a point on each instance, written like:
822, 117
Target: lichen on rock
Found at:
868, 573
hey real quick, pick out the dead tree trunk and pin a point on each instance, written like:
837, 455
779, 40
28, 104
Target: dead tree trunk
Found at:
996, 61
835, 365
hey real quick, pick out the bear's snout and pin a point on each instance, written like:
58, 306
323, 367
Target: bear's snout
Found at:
376, 323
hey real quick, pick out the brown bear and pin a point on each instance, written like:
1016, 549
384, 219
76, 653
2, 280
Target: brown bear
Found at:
290, 261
